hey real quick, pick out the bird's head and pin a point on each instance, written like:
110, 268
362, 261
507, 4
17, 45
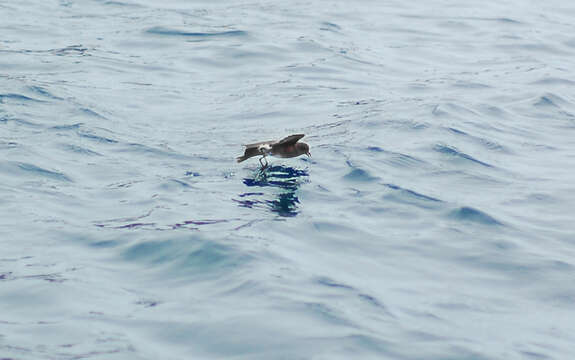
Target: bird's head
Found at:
303, 148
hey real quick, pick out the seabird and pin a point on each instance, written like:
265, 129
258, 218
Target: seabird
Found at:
285, 148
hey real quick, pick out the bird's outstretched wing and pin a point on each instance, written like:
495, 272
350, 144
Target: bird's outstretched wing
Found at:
292, 139
258, 144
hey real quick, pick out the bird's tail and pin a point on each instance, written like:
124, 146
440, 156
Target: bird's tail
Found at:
241, 158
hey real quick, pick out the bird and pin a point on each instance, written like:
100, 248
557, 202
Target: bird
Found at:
285, 148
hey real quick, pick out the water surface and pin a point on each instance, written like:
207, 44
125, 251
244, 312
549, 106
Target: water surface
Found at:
434, 220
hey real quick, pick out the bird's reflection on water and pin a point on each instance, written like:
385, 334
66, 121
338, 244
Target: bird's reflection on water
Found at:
286, 179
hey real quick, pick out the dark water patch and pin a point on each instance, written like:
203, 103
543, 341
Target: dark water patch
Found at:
285, 204
6, 276
175, 184
123, 185
533, 355
20, 122
491, 145
134, 226
539, 197
191, 256
251, 194
361, 102
550, 100
14, 168
329, 26
249, 203
374, 302
395, 157
206, 222
92, 113
452, 151
53, 278
72, 50
66, 127
8, 145
323, 76
192, 224
96, 138
466, 213
503, 20
43, 92
79, 150
411, 197
425, 315
553, 81
187, 224
18, 98
159, 30
375, 149
506, 20
325, 281
412, 193
122, 4
455, 131
235, 56
404, 160
105, 244
286, 201
564, 298
358, 174
148, 303
277, 176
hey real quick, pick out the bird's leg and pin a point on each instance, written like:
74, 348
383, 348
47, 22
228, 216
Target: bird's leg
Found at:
262, 164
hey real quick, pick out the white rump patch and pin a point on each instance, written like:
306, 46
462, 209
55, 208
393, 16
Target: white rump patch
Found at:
265, 148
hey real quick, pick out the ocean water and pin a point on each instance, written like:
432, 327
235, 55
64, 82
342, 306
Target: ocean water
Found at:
434, 220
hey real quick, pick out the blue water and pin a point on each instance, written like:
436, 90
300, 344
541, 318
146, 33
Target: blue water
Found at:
434, 219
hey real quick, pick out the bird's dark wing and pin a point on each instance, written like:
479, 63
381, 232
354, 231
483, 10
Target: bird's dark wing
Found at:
250, 152
259, 143
292, 139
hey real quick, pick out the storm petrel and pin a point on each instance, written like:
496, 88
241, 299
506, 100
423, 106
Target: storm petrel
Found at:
285, 148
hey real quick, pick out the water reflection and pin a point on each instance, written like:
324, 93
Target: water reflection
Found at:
286, 179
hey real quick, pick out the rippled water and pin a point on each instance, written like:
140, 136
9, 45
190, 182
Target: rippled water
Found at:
434, 220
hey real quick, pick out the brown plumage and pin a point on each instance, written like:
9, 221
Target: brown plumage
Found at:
284, 148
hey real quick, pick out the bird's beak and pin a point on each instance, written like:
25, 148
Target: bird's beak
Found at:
308, 154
